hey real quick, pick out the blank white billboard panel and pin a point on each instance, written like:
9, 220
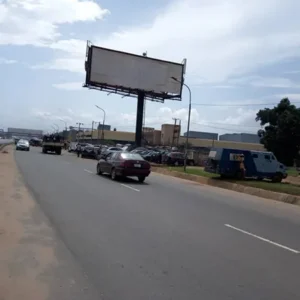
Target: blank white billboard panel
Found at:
129, 71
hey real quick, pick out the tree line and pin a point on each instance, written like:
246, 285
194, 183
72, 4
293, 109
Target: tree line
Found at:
281, 133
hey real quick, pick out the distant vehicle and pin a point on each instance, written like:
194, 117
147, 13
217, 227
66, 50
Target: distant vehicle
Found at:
124, 164
109, 150
177, 159
72, 147
52, 143
241, 164
35, 142
23, 145
89, 151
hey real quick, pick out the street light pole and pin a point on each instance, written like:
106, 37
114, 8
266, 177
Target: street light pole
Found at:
66, 125
56, 126
103, 121
188, 124
79, 124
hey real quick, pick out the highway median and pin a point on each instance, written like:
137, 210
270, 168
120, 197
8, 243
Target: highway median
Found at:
283, 192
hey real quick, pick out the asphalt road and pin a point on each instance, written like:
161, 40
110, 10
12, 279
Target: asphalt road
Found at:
167, 238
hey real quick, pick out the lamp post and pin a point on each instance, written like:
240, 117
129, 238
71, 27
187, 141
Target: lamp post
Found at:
103, 121
66, 125
189, 119
79, 124
56, 126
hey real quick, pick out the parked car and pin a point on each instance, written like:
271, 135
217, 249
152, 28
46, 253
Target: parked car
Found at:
106, 151
124, 164
23, 145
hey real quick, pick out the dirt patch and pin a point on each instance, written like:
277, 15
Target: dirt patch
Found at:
25, 254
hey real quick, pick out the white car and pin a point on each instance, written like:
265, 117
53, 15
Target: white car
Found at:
23, 145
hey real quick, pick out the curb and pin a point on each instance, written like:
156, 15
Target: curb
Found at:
286, 198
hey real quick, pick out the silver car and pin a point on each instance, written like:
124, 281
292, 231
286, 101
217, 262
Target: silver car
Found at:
23, 145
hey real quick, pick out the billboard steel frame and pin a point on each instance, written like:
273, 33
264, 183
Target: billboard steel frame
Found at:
124, 91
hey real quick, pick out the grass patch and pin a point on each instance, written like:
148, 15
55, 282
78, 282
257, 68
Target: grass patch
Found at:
293, 172
286, 188
194, 171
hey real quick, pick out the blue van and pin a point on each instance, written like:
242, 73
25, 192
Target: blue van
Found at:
256, 164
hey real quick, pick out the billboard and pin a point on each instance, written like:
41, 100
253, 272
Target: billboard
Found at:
128, 74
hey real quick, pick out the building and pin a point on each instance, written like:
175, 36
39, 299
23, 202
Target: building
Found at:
240, 137
170, 134
22, 132
152, 136
202, 135
105, 127
124, 137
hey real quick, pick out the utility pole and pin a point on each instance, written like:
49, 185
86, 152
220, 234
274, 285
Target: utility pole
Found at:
79, 124
174, 130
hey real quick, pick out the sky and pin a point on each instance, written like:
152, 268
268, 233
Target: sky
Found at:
242, 56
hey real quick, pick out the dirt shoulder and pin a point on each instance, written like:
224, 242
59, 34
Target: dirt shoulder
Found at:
34, 263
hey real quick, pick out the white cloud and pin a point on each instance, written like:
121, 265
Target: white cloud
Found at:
259, 81
69, 86
219, 38
292, 97
5, 61
28, 22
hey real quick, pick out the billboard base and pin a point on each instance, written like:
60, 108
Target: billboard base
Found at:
139, 118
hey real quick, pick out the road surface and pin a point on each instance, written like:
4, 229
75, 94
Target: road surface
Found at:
167, 238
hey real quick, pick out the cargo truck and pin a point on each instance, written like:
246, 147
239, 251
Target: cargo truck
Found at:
52, 143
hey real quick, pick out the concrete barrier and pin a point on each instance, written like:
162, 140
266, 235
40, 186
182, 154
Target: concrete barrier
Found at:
292, 199
4, 143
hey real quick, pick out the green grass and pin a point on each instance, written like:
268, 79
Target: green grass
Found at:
194, 171
286, 188
293, 172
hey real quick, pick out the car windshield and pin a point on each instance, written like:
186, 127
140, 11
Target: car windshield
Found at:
23, 142
133, 156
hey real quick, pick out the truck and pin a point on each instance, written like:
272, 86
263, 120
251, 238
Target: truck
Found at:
52, 143
240, 164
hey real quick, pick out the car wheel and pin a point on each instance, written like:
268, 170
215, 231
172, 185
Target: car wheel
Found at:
141, 179
277, 178
113, 174
99, 172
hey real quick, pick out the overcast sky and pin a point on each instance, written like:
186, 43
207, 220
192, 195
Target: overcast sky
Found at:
241, 56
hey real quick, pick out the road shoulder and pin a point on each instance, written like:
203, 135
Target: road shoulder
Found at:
34, 263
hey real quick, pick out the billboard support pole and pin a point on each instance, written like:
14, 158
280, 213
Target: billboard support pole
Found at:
139, 118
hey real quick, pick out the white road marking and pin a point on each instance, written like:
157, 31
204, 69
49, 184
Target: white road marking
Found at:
263, 239
88, 171
130, 187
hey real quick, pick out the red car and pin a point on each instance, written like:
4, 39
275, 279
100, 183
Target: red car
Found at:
123, 164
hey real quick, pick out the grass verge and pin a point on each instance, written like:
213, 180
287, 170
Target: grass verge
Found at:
293, 172
286, 188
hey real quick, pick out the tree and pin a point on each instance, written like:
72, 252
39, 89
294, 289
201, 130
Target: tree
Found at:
281, 133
